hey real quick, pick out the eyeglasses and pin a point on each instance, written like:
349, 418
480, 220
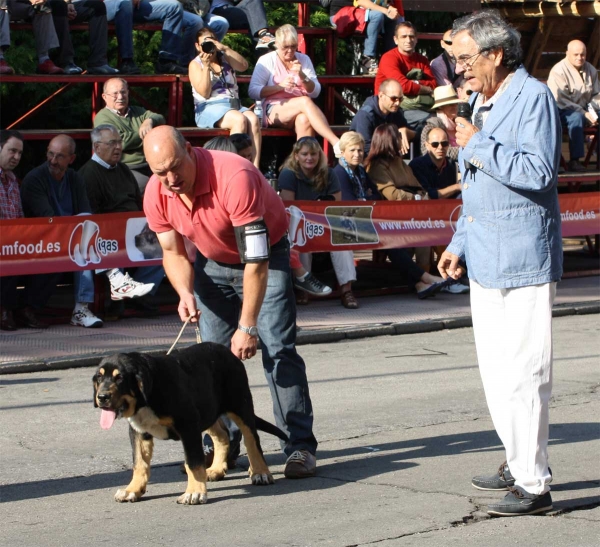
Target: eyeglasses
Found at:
394, 99
436, 144
466, 63
117, 93
293, 47
447, 42
112, 143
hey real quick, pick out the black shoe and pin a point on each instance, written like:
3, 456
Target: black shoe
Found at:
7, 321
128, 66
502, 480
103, 70
518, 502
575, 166
26, 318
166, 66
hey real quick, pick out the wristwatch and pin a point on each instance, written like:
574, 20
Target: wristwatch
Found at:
252, 331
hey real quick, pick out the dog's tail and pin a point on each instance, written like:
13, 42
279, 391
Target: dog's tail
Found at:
263, 425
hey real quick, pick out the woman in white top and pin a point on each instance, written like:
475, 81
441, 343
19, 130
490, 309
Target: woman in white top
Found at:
215, 90
286, 82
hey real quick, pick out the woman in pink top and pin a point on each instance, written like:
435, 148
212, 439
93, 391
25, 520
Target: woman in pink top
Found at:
286, 82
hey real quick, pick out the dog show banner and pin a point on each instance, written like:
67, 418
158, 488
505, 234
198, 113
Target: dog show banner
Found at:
61, 244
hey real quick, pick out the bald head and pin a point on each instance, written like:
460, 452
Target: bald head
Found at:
60, 154
171, 158
576, 53
64, 142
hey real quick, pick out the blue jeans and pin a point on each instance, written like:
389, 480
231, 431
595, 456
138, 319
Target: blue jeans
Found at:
192, 23
374, 29
218, 288
39, 288
574, 122
169, 12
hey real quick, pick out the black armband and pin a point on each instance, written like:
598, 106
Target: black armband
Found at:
253, 242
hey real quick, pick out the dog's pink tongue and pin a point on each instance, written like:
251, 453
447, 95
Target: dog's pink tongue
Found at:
107, 418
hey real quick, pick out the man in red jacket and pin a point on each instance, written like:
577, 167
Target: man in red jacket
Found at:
412, 71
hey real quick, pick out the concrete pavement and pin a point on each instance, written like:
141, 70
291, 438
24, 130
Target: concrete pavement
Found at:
402, 425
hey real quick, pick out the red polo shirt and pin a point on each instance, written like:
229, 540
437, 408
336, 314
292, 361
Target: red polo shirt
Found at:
395, 65
229, 191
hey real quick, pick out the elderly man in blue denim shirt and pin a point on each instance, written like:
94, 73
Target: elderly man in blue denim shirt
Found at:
509, 234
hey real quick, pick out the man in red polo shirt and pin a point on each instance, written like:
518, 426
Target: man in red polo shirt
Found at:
412, 71
226, 208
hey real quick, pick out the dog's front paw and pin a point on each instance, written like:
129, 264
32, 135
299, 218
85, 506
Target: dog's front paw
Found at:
123, 495
192, 498
262, 479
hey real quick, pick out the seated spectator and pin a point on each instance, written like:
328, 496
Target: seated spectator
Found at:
286, 82
383, 108
13, 314
444, 65
412, 71
43, 34
394, 179
243, 144
576, 88
215, 90
50, 190
446, 109
357, 185
303, 281
436, 172
246, 14
81, 11
112, 188
133, 123
305, 176
373, 18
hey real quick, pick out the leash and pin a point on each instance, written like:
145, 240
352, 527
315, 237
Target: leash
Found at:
198, 337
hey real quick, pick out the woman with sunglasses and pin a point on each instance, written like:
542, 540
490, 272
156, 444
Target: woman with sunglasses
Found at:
286, 82
306, 176
215, 90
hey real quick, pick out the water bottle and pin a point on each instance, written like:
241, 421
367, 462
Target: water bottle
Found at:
258, 110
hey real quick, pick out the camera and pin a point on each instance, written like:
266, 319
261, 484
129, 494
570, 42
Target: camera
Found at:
208, 47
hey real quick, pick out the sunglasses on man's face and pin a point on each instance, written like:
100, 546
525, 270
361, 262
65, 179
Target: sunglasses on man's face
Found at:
436, 144
448, 42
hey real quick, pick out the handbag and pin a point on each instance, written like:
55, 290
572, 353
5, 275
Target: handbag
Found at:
349, 20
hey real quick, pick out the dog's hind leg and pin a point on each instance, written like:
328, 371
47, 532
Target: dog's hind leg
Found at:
142, 446
259, 471
220, 439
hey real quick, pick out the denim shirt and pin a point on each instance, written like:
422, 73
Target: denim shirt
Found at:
509, 230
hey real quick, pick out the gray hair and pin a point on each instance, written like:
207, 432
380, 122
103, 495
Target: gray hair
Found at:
96, 134
124, 82
220, 143
490, 31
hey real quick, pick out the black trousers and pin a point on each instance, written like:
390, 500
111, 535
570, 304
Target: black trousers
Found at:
93, 11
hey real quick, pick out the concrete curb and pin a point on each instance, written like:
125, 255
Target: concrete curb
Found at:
304, 337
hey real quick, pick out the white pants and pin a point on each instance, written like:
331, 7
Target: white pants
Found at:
513, 337
343, 265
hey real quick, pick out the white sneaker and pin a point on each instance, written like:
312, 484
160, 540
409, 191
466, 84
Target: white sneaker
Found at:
129, 289
83, 317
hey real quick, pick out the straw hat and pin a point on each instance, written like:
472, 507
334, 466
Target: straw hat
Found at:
443, 95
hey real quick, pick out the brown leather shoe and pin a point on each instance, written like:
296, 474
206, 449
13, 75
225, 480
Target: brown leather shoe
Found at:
7, 321
48, 67
300, 464
26, 318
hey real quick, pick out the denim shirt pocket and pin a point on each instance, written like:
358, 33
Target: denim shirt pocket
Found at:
523, 246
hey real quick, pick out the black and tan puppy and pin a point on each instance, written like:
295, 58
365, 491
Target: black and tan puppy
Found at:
178, 397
